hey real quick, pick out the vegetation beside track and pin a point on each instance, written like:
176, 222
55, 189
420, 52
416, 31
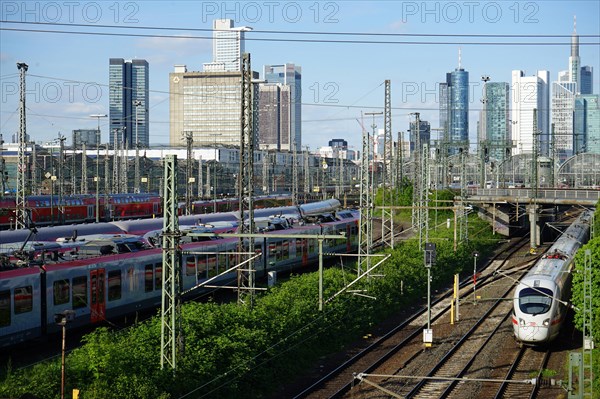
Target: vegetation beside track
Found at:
577, 299
229, 349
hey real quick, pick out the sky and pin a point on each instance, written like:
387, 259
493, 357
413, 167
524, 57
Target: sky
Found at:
412, 43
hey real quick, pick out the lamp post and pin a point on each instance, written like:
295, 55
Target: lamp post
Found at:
61, 319
98, 138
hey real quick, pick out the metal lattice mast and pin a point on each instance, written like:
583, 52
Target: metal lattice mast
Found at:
84, 182
265, 173
34, 169
416, 211
115, 182
136, 174
61, 177
588, 338
189, 170
464, 228
106, 172
341, 173
21, 216
200, 182
171, 279
295, 176
73, 172
306, 174
534, 161
246, 180
399, 160
365, 233
424, 202
124, 166
388, 143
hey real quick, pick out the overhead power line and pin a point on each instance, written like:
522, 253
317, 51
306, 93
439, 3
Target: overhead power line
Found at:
210, 30
338, 41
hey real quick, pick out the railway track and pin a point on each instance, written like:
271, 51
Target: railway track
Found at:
406, 336
528, 362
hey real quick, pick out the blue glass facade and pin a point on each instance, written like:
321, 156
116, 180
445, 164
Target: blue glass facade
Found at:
496, 127
586, 124
128, 85
458, 109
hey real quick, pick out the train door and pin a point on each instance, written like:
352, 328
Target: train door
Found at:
91, 212
98, 304
154, 209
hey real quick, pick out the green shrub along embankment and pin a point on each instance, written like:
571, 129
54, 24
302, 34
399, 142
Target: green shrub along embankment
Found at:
231, 351
577, 299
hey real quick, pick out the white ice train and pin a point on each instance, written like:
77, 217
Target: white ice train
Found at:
541, 300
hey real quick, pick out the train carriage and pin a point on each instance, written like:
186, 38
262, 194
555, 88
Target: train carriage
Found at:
117, 274
541, 299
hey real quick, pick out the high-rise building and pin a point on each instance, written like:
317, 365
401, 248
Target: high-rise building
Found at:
586, 124
269, 116
91, 138
289, 76
207, 104
530, 94
128, 102
563, 104
423, 134
574, 61
587, 80
228, 46
564, 90
454, 108
494, 122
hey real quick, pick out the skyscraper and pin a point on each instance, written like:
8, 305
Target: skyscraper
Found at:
289, 77
564, 90
530, 93
269, 116
228, 46
454, 107
494, 123
587, 124
587, 80
424, 135
207, 104
128, 91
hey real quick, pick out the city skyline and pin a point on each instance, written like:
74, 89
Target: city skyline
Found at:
339, 79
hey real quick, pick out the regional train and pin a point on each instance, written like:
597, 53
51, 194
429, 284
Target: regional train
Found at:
103, 276
46, 210
541, 299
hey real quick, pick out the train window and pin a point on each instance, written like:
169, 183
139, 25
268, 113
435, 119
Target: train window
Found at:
79, 292
285, 250
148, 278
114, 285
23, 299
158, 276
61, 292
535, 300
4, 308
190, 266
222, 266
212, 265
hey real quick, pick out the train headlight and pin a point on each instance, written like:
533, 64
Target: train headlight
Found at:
546, 322
521, 322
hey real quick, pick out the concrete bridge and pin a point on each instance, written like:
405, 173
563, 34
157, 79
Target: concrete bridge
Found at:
506, 208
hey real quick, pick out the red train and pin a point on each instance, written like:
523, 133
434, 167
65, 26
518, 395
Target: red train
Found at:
46, 210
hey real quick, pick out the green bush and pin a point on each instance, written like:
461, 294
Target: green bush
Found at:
229, 349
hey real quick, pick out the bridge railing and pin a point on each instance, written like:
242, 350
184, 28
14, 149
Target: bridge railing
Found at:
526, 193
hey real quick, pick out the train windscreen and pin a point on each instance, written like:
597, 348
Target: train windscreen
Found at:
535, 300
